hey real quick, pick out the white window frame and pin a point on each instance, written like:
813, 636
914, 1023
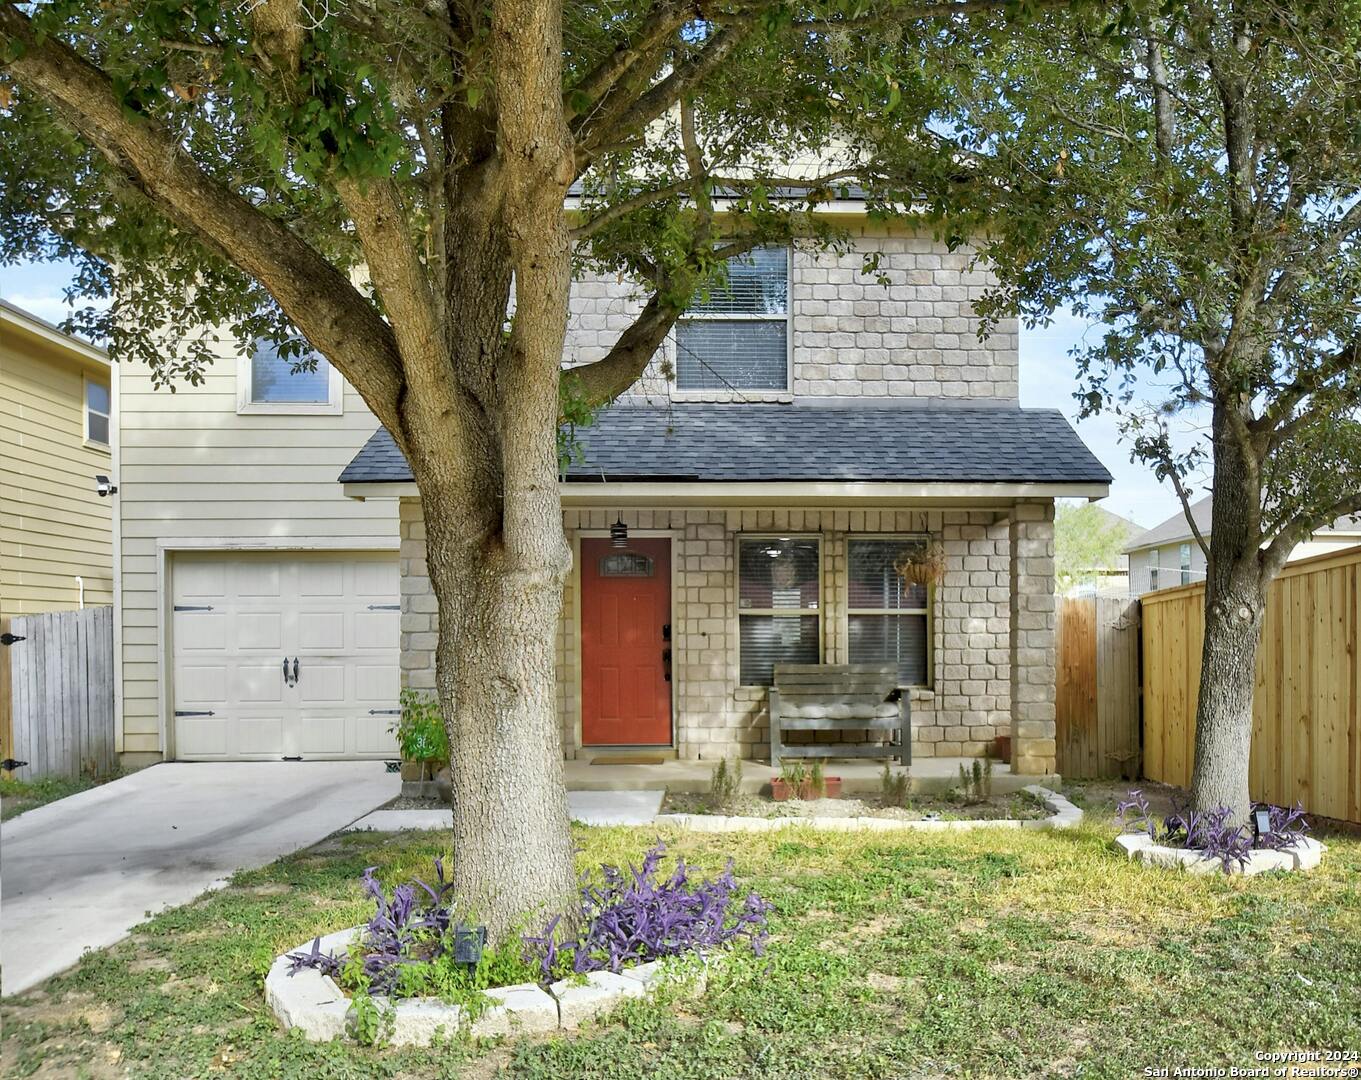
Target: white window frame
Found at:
333, 406
86, 411
725, 393
928, 611
796, 613
1184, 557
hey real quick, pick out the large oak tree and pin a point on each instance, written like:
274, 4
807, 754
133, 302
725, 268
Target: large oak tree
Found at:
1189, 175
387, 184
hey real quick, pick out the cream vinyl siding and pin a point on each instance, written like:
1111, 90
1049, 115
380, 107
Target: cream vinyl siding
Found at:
55, 532
196, 475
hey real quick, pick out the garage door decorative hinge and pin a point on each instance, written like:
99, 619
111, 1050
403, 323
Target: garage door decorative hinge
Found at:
385, 607
190, 712
193, 607
11, 639
385, 712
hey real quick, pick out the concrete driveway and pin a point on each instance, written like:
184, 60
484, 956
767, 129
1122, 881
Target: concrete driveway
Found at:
80, 873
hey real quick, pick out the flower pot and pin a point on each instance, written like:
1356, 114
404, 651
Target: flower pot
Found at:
831, 787
1004, 748
780, 790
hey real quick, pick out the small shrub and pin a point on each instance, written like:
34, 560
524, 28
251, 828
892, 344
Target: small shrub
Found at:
975, 782
817, 780
636, 916
1212, 832
420, 732
895, 788
987, 778
725, 784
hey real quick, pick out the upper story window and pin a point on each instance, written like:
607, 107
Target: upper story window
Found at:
737, 337
779, 614
97, 412
1185, 555
887, 618
268, 382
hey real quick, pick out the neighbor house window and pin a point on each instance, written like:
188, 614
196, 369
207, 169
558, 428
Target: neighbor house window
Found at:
97, 412
1153, 557
779, 610
274, 383
887, 618
737, 336
1186, 564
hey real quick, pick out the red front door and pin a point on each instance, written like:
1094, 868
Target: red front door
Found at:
625, 643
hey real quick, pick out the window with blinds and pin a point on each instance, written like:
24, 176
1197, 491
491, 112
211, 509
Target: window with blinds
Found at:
275, 380
737, 336
779, 609
887, 619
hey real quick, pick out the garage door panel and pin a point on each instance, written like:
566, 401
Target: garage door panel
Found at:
200, 631
321, 579
202, 685
319, 609
376, 629
259, 736
260, 631
321, 630
320, 681
258, 578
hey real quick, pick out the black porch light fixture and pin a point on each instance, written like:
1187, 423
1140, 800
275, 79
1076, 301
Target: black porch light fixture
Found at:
619, 533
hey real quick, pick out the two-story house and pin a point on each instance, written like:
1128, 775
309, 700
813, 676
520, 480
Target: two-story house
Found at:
57, 435
801, 433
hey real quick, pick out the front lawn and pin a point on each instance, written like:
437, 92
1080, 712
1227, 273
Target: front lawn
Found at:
988, 953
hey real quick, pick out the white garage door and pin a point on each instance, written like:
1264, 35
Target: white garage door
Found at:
285, 655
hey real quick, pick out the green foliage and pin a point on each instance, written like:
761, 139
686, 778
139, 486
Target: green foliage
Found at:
373, 1021
575, 411
817, 781
794, 773
16, 796
895, 788
1213, 233
975, 782
725, 784
421, 734
1087, 539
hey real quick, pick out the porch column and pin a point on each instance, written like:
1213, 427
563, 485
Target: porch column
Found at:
1033, 670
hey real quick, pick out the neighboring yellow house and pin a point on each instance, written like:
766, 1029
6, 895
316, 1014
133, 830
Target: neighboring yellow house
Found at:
57, 433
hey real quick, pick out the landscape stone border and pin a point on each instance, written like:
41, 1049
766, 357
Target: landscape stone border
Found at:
1305, 855
312, 1002
1062, 815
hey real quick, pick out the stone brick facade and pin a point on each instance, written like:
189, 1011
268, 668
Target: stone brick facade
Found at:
914, 337
992, 621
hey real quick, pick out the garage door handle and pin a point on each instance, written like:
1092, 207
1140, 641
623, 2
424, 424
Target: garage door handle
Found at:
295, 671
287, 680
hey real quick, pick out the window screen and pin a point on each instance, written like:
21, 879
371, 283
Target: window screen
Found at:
886, 618
273, 379
778, 606
737, 337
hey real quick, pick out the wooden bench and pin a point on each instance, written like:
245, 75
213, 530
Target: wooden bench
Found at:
839, 697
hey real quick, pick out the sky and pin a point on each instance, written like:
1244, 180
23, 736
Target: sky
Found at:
1048, 380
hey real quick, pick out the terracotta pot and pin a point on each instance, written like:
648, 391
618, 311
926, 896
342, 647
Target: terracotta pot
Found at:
779, 789
831, 787
1004, 748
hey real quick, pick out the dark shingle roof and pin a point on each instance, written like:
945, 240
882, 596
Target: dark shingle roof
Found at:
741, 442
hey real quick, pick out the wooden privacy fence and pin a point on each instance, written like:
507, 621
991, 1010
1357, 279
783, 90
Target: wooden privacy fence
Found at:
1096, 703
60, 681
1306, 717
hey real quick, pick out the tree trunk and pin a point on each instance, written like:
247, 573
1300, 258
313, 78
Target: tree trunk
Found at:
498, 620
1235, 605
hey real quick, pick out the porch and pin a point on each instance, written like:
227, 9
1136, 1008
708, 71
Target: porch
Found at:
688, 776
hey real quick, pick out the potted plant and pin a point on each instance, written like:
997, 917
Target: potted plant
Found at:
821, 786
424, 745
924, 565
790, 783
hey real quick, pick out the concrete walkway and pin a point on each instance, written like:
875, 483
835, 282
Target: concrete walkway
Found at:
80, 873
587, 807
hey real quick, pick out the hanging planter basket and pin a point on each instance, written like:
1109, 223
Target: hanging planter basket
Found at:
922, 566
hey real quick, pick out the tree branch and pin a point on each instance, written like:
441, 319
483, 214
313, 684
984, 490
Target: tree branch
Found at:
1275, 554
317, 298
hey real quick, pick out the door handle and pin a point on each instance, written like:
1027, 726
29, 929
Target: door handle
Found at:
295, 671
666, 664
286, 680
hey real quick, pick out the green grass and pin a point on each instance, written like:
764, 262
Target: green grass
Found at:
16, 796
979, 954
